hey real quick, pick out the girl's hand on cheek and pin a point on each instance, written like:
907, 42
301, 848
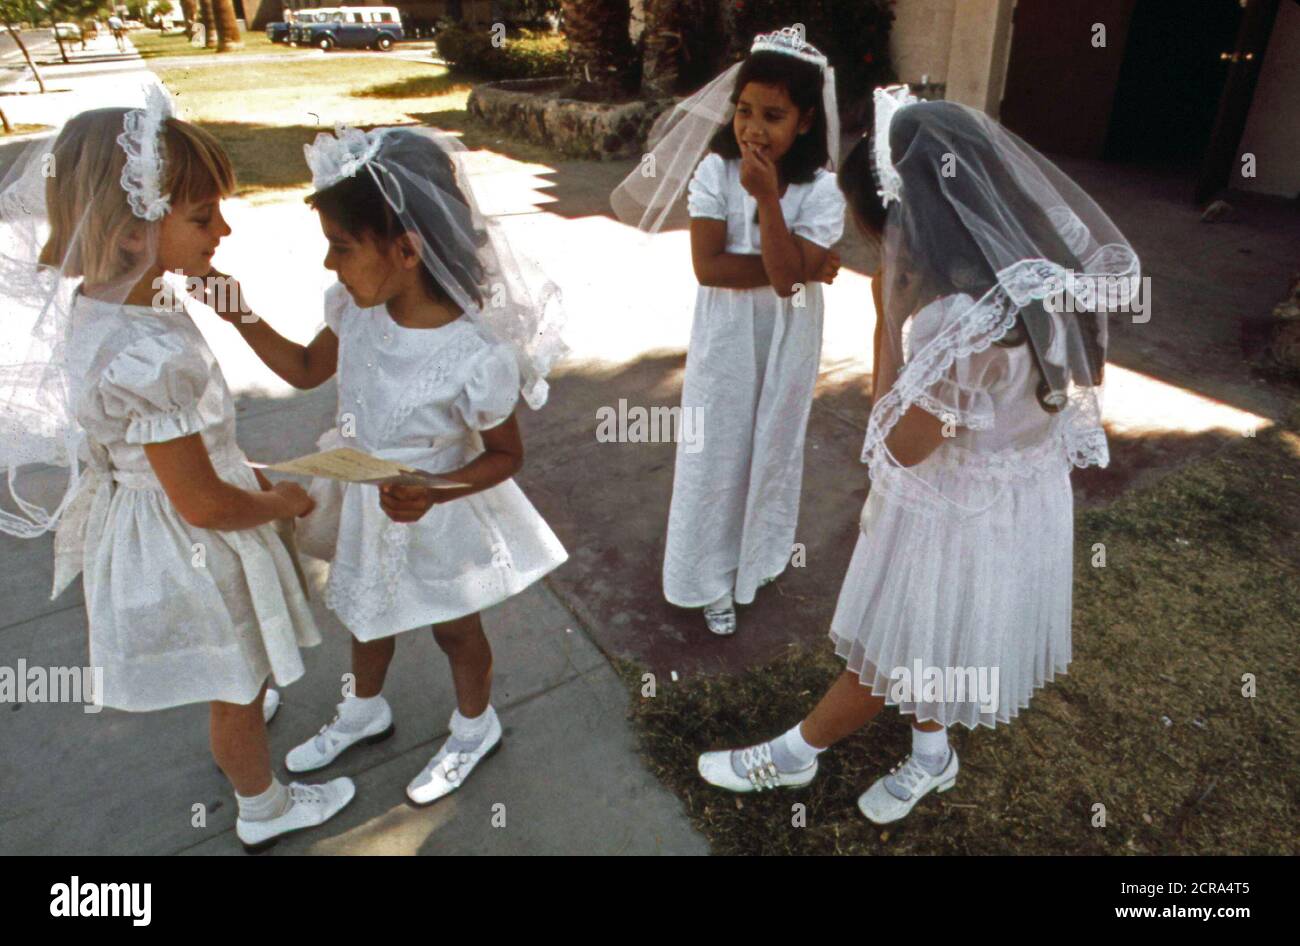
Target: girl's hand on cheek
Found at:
757, 173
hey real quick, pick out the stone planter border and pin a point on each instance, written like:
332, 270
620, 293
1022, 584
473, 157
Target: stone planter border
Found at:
596, 130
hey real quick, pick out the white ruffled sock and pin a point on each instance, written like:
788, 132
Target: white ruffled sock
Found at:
930, 749
272, 803
468, 733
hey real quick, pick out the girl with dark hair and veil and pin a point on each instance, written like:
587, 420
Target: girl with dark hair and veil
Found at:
435, 330
996, 275
764, 213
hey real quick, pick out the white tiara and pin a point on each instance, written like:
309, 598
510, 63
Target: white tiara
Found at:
789, 41
141, 139
333, 158
888, 100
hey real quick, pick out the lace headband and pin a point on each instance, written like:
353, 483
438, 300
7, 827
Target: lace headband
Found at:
141, 139
888, 100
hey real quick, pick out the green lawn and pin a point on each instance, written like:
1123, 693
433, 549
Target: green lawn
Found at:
1201, 586
264, 112
150, 45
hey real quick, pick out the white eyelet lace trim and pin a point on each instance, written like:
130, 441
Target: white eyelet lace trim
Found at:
357, 598
888, 100
141, 139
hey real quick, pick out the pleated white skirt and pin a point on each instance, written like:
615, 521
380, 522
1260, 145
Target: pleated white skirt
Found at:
959, 620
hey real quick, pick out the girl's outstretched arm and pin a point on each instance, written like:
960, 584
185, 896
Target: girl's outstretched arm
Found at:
303, 366
502, 458
206, 501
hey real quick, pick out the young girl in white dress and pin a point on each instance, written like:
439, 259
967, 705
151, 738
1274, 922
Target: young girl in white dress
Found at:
765, 212
432, 342
191, 594
990, 348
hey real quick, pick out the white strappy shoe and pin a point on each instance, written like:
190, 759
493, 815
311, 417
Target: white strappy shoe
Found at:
760, 772
910, 779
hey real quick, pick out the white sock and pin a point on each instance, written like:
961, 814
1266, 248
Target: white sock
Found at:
357, 711
930, 749
467, 733
272, 803
791, 752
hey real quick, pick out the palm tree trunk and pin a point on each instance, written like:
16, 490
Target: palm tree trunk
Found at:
663, 41
600, 49
228, 37
4, 121
209, 24
31, 63
63, 53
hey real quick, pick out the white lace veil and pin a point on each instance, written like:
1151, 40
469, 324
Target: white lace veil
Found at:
427, 183
80, 212
1006, 249
651, 196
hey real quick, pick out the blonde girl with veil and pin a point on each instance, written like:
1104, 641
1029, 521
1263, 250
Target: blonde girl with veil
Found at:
191, 594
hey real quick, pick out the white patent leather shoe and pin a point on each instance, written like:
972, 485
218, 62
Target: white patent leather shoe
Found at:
447, 770
328, 744
883, 807
761, 772
311, 805
270, 704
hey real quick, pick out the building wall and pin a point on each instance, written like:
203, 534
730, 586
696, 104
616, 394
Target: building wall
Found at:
921, 39
1273, 126
961, 43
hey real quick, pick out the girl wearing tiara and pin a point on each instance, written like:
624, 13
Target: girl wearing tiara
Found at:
434, 331
987, 379
764, 213
191, 594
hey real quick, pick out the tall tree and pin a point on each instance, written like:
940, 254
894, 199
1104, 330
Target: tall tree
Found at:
209, 24
600, 49
228, 37
662, 43
11, 13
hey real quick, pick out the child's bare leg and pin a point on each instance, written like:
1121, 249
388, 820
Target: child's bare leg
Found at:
466, 647
846, 708
370, 660
239, 744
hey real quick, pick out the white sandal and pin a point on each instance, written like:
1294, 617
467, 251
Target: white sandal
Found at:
721, 616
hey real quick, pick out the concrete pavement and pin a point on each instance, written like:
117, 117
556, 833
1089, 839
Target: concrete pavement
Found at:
569, 766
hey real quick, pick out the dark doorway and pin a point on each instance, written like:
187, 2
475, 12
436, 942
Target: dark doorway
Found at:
1172, 80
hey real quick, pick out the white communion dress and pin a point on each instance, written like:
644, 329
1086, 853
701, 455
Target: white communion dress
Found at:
420, 396
177, 614
979, 588
750, 372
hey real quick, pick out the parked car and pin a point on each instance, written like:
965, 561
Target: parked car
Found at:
68, 31
349, 28
277, 31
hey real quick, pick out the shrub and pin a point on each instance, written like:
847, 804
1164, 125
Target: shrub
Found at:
525, 54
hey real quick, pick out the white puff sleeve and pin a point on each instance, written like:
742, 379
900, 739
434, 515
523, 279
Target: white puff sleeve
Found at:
962, 392
820, 218
336, 301
706, 193
155, 385
491, 390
